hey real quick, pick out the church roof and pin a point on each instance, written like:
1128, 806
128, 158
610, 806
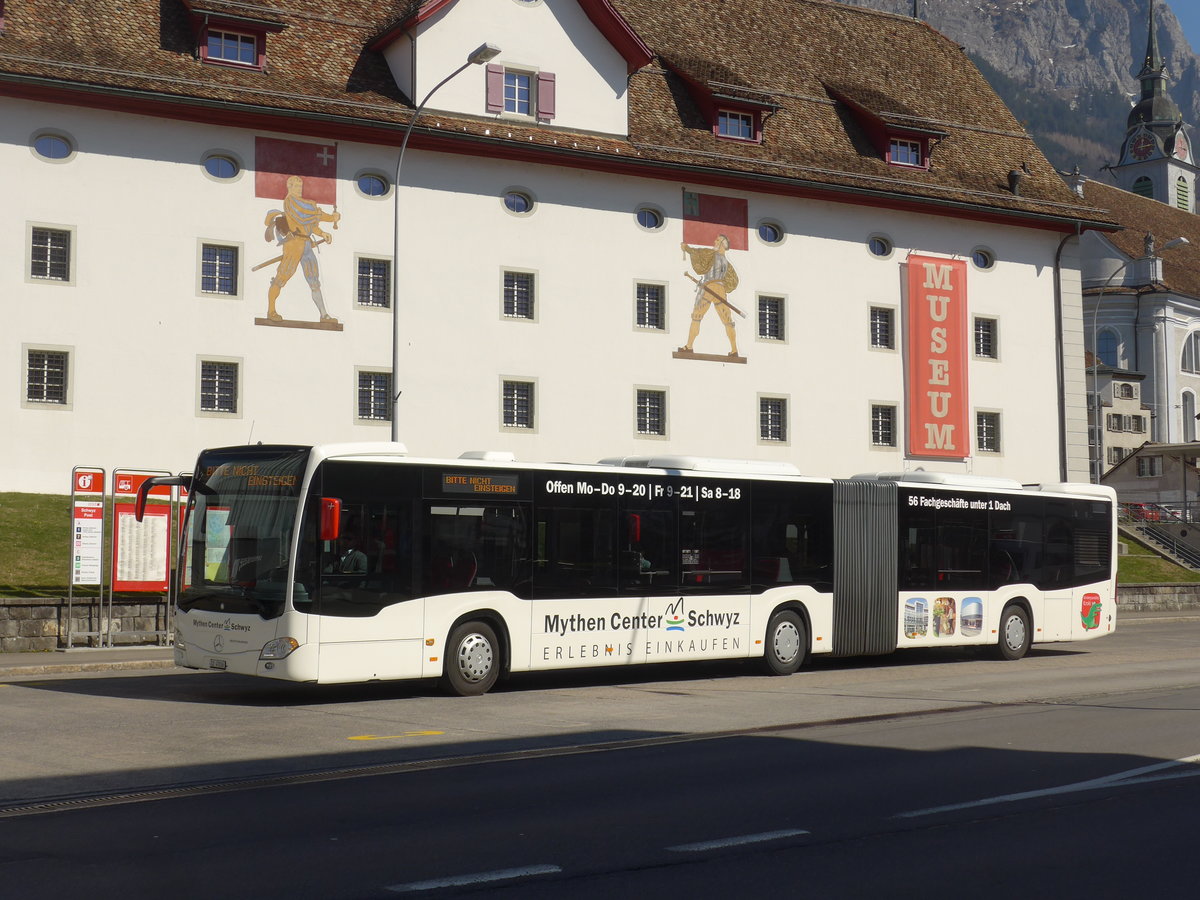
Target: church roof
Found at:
1142, 215
798, 60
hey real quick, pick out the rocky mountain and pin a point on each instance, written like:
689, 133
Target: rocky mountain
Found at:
1067, 68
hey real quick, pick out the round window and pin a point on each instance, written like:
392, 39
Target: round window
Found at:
880, 246
983, 259
770, 233
220, 167
649, 218
372, 185
51, 146
517, 202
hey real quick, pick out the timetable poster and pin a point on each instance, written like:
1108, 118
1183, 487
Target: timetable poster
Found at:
141, 548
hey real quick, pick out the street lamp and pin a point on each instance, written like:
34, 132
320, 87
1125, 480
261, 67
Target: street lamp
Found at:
480, 55
1097, 418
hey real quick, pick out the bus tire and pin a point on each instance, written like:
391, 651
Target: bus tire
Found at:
1015, 632
786, 644
472, 662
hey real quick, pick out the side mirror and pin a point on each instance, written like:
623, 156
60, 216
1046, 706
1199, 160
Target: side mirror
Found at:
331, 518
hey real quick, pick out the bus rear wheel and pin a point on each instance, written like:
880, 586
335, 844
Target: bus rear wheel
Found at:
787, 643
1015, 633
472, 662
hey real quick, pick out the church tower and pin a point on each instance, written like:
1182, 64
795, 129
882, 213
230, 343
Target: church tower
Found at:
1157, 155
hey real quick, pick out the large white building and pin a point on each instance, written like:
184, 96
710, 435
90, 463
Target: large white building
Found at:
205, 217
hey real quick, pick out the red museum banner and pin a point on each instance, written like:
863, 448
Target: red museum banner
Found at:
937, 358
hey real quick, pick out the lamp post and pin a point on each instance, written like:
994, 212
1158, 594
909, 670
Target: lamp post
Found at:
1098, 419
480, 55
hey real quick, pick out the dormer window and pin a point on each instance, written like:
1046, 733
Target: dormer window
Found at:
904, 152
228, 39
231, 47
738, 125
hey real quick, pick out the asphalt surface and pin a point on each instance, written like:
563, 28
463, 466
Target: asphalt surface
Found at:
149, 656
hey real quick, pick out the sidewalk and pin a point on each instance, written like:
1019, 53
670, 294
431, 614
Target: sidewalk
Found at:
85, 659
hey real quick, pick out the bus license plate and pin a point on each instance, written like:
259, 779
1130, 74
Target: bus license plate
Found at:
217, 664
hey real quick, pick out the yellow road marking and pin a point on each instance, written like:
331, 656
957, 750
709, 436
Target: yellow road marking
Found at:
388, 737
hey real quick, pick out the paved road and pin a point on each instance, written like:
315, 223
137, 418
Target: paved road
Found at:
1070, 773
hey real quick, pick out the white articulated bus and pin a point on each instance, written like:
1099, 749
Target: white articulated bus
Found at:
355, 562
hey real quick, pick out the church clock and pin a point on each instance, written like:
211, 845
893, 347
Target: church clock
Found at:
1142, 147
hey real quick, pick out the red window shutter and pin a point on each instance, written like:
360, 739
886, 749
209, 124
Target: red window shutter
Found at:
545, 95
495, 88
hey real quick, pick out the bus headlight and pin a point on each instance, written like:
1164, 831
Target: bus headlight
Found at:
278, 648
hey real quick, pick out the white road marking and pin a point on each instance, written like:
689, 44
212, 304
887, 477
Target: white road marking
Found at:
1142, 775
475, 878
737, 841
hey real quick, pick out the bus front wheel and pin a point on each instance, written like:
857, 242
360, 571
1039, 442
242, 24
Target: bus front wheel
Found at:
472, 659
1015, 633
787, 643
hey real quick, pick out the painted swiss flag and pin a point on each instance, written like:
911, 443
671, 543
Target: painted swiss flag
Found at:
707, 215
275, 161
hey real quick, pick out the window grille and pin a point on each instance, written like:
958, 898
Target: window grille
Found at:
772, 419
518, 404
218, 387
881, 328
770, 318
518, 295
50, 254
375, 396
46, 377
651, 412
374, 282
883, 426
987, 432
650, 306
219, 270
985, 338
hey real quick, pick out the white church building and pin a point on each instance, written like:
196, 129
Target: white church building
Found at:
802, 232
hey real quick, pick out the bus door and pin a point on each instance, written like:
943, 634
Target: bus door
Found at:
367, 617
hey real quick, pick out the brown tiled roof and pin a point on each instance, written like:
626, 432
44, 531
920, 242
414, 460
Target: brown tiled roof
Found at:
1141, 215
776, 52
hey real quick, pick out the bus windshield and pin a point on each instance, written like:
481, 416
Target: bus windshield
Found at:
241, 515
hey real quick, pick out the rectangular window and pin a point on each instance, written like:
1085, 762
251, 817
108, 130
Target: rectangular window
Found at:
1149, 466
1137, 424
218, 386
518, 295
905, 153
651, 310
219, 270
985, 338
651, 412
375, 396
50, 254
882, 331
772, 419
1116, 454
46, 376
987, 432
770, 318
883, 426
738, 125
517, 404
518, 93
374, 282
229, 46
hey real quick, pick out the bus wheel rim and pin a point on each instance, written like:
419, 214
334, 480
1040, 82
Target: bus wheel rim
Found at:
786, 642
1014, 632
475, 658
